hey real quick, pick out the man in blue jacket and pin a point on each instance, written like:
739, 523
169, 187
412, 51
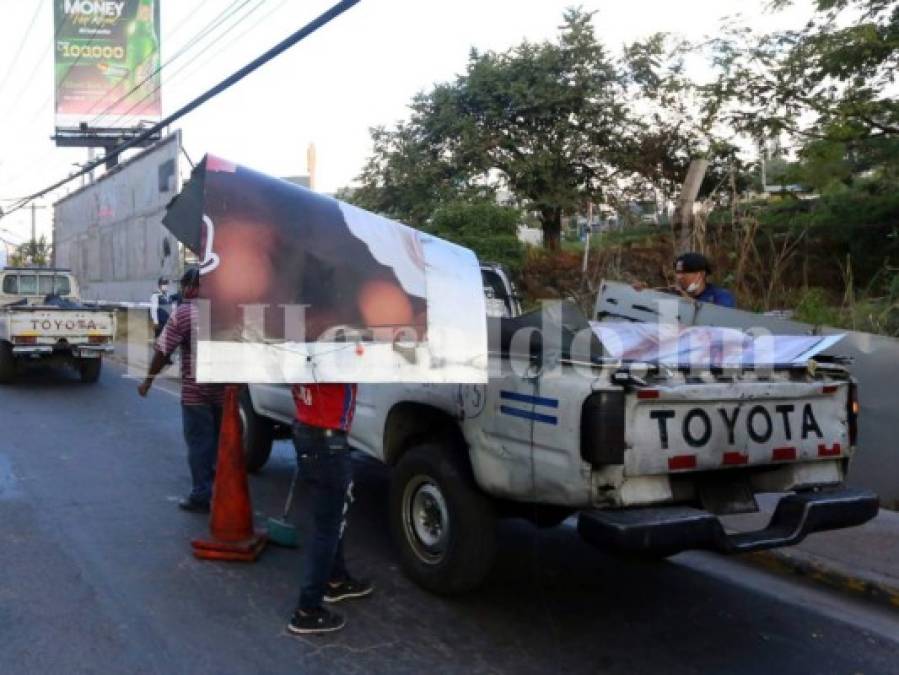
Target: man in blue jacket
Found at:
692, 271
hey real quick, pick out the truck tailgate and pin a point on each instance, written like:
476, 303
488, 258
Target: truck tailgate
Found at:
696, 427
49, 325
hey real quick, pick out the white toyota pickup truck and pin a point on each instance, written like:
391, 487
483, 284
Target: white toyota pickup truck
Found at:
42, 319
646, 456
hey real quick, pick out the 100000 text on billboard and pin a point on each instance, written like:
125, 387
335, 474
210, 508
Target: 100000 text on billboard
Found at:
107, 62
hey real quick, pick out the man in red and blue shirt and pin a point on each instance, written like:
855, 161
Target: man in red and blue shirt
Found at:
324, 416
201, 404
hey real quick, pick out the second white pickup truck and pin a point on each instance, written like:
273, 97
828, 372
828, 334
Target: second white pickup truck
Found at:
647, 458
42, 319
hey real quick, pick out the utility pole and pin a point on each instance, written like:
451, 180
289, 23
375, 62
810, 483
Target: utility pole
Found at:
689, 192
34, 208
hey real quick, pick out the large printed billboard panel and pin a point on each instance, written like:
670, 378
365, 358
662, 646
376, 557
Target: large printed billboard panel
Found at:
300, 287
107, 62
110, 233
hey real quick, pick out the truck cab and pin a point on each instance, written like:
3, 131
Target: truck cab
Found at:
499, 291
33, 284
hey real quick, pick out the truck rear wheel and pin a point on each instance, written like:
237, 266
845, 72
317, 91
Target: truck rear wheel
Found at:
258, 434
89, 369
443, 525
7, 363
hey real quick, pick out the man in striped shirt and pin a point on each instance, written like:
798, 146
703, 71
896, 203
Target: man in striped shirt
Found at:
324, 415
201, 404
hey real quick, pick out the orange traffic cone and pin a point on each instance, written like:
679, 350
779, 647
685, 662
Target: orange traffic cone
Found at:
231, 521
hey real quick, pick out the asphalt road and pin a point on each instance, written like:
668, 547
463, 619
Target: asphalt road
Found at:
97, 576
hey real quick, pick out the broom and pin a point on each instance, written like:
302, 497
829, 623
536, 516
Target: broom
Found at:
280, 530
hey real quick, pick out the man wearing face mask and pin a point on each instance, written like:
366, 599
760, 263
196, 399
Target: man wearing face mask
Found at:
692, 271
160, 306
201, 404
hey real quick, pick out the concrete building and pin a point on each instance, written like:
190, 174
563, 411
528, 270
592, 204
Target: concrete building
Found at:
110, 232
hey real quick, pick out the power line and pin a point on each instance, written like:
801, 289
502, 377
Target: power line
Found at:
199, 65
33, 117
185, 48
18, 53
304, 32
12, 234
200, 35
146, 96
58, 85
30, 79
218, 20
137, 104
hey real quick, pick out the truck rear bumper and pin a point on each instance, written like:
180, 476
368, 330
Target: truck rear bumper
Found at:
669, 530
32, 350
86, 351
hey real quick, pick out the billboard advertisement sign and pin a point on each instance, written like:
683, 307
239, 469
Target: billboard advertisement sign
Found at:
107, 62
299, 287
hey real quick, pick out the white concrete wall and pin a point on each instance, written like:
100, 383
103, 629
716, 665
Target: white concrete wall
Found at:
110, 233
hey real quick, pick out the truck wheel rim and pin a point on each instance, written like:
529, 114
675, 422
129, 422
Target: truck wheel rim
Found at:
426, 519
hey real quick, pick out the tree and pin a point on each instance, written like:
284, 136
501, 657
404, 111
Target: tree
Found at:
31, 252
544, 119
405, 178
488, 229
555, 122
834, 79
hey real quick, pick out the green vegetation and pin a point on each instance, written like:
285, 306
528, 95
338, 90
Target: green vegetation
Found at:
31, 253
553, 122
483, 226
564, 123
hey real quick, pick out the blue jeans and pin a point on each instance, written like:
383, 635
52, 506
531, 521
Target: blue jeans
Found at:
327, 471
201, 433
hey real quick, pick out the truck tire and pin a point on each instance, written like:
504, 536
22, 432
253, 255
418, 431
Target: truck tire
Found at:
89, 369
443, 525
7, 363
257, 434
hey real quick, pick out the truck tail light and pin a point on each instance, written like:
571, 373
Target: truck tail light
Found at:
853, 410
25, 340
602, 428
97, 339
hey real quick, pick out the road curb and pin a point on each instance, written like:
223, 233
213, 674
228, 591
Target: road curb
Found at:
821, 571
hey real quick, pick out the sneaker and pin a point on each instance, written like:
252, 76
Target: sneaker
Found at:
346, 589
193, 505
315, 621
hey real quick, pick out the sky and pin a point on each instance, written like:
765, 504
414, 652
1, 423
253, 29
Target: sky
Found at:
359, 71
